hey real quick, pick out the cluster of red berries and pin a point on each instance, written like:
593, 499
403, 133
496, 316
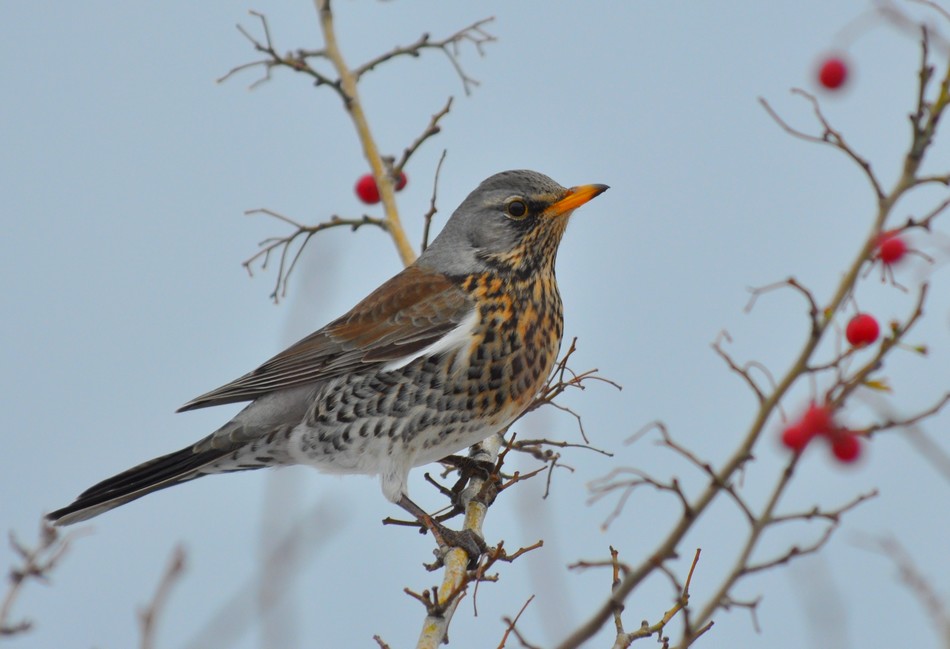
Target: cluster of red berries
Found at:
818, 421
833, 72
368, 192
862, 330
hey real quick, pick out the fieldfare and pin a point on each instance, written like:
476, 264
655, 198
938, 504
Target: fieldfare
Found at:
443, 355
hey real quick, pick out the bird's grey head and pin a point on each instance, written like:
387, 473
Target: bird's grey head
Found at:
513, 219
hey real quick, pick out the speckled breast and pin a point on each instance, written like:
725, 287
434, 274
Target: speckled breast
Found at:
515, 342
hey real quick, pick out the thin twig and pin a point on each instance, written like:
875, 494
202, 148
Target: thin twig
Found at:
431, 130
917, 582
148, 616
427, 219
741, 371
284, 244
474, 34
36, 563
562, 378
829, 136
296, 62
511, 623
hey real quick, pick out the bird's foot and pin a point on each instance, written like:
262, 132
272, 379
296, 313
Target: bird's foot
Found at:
466, 540
468, 469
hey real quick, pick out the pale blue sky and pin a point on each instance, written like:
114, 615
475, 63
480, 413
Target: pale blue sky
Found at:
125, 171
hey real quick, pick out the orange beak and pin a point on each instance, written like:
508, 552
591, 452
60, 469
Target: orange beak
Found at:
574, 198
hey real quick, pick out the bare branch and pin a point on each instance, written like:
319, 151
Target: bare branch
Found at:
284, 244
833, 517
474, 34
813, 311
354, 108
936, 7
432, 208
829, 136
926, 220
294, 61
616, 481
149, 615
431, 130
36, 563
511, 624
909, 421
924, 123
646, 630
562, 378
916, 582
741, 371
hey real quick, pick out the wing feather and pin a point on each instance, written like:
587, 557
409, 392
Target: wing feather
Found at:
408, 313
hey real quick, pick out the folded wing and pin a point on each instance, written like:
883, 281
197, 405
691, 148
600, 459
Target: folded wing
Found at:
410, 312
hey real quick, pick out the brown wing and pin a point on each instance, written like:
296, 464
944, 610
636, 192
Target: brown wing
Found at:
406, 314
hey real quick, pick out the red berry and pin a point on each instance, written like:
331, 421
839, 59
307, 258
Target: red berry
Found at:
401, 181
833, 73
891, 249
846, 447
796, 438
817, 420
862, 330
366, 189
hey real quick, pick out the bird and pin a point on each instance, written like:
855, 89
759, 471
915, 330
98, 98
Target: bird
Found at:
446, 353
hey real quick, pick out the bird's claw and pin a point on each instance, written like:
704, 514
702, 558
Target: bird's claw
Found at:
466, 540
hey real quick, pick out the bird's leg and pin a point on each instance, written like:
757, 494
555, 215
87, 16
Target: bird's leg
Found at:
452, 494
467, 540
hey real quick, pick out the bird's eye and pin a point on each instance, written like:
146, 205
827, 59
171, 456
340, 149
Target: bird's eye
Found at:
517, 209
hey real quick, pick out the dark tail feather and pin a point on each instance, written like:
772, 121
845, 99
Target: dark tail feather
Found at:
165, 471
